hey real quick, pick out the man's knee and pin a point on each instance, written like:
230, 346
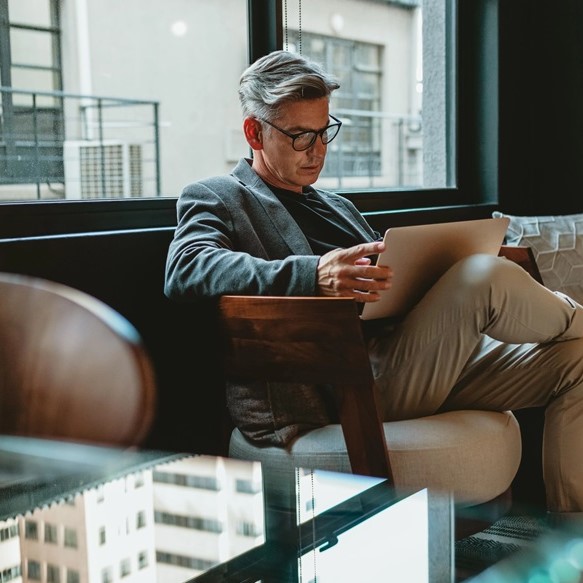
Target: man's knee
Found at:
480, 272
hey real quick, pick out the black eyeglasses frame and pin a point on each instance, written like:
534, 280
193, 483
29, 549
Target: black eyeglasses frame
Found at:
315, 133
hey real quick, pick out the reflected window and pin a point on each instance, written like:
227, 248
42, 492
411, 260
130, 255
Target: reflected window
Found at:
33, 570
51, 533
193, 522
53, 574
142, 560
70, 539
188, 480
141, 519
138, 480
124, 568
107, 575
31, 529
10, 573
248, 529
8, 532
247, 487
184, 561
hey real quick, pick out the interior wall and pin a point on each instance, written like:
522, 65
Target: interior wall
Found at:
541, 107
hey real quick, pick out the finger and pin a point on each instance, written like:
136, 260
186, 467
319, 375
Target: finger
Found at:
352, 254
366, 297
377, 272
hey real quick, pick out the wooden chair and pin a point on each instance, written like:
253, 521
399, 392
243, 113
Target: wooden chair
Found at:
71, 367
474, 454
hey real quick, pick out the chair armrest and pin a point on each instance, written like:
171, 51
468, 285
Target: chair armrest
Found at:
524, 256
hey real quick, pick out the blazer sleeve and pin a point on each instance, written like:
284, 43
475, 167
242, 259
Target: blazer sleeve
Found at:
223, 245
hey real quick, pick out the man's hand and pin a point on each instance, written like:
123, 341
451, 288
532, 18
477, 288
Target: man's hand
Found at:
349, 273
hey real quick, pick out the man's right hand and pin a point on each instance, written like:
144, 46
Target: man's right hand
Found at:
350, 273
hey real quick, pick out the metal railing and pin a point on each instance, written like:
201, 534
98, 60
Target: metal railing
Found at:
375, 148
56, 145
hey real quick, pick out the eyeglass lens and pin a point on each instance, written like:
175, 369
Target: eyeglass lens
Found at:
305, 140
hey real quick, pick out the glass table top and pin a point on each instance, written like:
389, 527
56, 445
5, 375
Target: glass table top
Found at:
73, 513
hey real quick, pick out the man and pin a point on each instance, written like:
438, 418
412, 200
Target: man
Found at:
486, 336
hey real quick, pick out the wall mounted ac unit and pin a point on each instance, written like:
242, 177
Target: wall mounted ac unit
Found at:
107, 169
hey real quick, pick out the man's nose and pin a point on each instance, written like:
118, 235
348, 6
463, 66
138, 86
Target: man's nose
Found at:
319, 147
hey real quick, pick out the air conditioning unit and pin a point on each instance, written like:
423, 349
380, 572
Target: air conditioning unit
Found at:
102, 169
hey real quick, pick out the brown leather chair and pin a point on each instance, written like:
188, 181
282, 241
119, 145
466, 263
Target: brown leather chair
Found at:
71, 367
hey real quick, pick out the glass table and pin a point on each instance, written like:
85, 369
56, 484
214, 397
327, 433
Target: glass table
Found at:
75, 513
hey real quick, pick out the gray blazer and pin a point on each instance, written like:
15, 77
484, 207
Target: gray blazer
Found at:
235, 237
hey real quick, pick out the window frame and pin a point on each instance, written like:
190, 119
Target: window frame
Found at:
475, 85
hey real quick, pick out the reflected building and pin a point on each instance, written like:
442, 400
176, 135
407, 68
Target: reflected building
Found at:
166, 523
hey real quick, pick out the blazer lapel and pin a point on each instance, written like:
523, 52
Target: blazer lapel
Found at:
278, 215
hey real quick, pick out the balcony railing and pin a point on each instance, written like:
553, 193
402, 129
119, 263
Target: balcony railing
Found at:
56, 145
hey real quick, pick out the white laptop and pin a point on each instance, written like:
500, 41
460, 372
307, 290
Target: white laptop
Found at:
420, 254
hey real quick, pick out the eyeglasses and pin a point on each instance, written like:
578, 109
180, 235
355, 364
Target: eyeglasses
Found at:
305, 140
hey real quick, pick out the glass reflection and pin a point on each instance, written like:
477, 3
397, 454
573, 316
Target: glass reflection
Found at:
165, 524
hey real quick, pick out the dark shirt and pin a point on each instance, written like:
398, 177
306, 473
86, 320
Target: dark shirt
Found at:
323, 228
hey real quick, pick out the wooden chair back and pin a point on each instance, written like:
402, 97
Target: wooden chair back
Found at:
309, 340
71, 367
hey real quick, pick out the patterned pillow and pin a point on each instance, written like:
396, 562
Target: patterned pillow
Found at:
557, 244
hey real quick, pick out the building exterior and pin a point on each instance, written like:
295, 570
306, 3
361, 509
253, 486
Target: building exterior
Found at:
149, 99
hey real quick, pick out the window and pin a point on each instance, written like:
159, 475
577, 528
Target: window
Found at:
53, 574
140, 519
32, 124
70, 537
51, 533
248, 529
103, 147
79, 122
8, 532
124, 568
138, 479
184, 561
187, 480
247, 486
73, 576
31, 529
101, 535
142, 559
107, 575
33, 570
124, 127
194, 522
10, 574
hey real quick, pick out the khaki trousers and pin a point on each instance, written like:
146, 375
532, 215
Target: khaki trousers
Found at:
488, 336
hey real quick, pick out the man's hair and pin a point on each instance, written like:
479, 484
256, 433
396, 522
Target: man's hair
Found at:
281, 77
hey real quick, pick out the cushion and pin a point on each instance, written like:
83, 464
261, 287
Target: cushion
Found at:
557, 244
473, 454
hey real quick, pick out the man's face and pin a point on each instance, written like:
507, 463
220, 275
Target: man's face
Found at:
277, 162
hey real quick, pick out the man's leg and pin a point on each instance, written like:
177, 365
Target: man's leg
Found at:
511, 376
439, 359
418, 364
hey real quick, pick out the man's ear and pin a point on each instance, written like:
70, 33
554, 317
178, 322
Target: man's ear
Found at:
253, 133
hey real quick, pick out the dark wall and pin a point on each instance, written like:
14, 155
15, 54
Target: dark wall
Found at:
541, 107
126, 271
